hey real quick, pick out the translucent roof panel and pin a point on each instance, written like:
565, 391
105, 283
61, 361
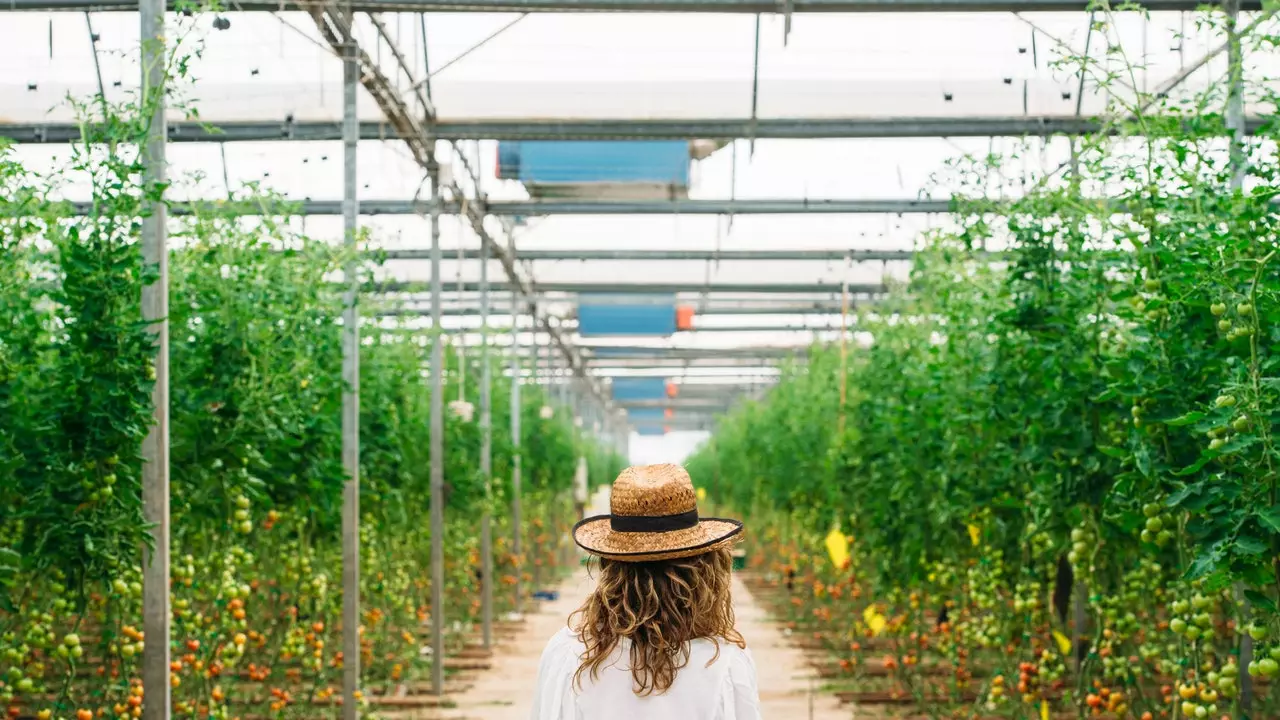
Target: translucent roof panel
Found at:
271, 66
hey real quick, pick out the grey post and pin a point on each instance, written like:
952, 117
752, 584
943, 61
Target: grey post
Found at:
534, 361
351, 392
155, 448
1239, 167
486, 452
437, 448
516, 545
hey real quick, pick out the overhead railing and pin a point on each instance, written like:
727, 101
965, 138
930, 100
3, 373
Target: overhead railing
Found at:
532, 208
749, 7
608, 129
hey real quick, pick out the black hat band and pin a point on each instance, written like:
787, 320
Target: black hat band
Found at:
653, 523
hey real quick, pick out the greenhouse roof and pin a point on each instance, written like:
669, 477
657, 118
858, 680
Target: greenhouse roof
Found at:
825, 129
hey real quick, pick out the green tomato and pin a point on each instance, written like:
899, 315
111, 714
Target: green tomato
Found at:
1151, 509
1154, 524
1218, 309
1178, 626
1244, 309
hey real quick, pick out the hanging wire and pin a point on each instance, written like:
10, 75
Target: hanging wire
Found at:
462, 342
844, 340
755, 88
97, 64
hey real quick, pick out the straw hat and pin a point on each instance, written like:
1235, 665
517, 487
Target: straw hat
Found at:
653, 515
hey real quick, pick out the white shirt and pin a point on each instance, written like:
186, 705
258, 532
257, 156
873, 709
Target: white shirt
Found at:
724, 691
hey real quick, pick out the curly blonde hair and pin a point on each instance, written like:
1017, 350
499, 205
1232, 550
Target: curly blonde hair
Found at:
660, 607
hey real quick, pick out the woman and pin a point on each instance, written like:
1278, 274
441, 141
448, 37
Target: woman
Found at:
655, 640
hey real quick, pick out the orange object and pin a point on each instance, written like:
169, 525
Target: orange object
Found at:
668, 413
666, 429
684, 317
672, 389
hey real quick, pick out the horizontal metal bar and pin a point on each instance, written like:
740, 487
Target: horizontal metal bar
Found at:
534, 208
677, 363
814, 308
675, 404
667, 255
763, 329
615, 353
750, 7
607, 129
531, 208
691, 286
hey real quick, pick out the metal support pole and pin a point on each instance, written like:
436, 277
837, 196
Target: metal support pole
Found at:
535, 358
1239, 167
351, 391
155, 448
516, 529
1235, 97
437, 448
486, 452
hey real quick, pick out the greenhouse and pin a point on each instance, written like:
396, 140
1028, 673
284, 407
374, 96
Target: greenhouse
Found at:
324, 324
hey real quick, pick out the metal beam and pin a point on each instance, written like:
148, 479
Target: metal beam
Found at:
789, 308
342, 39
609, 354
748, 7
642, 287
763, 329
156, 613
608, 129
677, 364
669, 255
678, 404
531, 208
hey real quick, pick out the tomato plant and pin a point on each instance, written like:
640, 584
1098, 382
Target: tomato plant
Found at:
1064, 452
255, 438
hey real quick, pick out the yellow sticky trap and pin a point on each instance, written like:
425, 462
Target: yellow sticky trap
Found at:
838, 548
1044, 710
975, 534
1064, 645
874, 620
877, 624
702, 494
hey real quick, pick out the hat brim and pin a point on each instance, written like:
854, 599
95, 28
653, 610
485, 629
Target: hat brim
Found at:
595, 535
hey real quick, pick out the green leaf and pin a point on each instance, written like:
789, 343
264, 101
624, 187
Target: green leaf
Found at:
1260, 601
1270, 518
1194, 416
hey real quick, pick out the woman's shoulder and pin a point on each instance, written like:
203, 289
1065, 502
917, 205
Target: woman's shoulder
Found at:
734, 654
565, 641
